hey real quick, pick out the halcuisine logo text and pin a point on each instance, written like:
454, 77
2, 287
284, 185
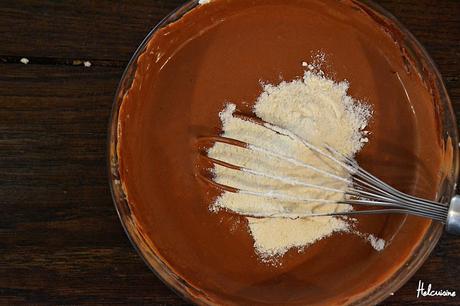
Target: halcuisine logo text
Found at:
428, 291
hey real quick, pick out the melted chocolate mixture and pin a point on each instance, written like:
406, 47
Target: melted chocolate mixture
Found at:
221, 52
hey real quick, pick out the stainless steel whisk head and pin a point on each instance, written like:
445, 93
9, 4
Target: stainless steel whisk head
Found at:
364, 189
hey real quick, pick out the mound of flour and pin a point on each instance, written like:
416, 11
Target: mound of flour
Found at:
318, 110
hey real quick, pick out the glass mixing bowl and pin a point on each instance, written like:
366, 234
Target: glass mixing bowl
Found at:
192, 294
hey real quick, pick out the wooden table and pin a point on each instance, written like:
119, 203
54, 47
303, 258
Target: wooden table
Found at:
60, 238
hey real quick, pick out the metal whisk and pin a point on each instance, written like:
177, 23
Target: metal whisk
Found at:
364, 188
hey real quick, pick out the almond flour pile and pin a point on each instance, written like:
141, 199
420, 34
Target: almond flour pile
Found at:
318, 110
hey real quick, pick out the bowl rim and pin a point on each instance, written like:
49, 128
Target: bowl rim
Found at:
161, 268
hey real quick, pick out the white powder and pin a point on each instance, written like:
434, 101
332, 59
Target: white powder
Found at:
377, 243
318, 110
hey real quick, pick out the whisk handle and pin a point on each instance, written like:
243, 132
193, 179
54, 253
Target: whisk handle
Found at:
453, 216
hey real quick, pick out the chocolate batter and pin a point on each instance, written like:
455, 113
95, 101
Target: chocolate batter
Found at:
220, 52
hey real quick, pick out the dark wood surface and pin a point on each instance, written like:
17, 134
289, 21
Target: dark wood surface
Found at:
60, 238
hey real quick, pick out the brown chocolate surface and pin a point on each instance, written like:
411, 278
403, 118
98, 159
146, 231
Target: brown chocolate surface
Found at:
221, 52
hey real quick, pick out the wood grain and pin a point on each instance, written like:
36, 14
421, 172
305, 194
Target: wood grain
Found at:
60, 239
